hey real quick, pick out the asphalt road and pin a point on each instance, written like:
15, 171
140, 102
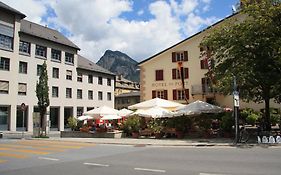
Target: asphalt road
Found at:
65, 158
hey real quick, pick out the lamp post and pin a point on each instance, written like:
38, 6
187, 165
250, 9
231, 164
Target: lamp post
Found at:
236, 109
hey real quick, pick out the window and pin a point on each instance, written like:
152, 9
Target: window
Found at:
56, 55
176, 73
108, 82
4, 87
179, 56
24, 47
56, 72
159, 75
109, 96
204, 64
69, 58
160, 94
23, 67
79, 77
90, 95
41, 51
22, 87
69, 75
100, 95
39, 69
55, 91
180, 94
6, 37
4, 63
68, 93
79, 94
90, 78
100, 80
80, 111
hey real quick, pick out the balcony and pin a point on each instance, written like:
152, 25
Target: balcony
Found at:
201, 89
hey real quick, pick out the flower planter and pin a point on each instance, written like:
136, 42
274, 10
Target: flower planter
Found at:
135, 135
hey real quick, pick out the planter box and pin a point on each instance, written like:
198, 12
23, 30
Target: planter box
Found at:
79, 134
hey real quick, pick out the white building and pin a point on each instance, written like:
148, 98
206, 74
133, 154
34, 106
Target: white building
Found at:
75, 83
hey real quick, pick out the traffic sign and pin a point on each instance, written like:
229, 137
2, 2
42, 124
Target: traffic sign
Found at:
236, 98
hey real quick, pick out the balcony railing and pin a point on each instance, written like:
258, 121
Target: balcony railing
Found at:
201, 89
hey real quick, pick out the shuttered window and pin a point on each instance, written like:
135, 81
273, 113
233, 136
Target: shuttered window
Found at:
204, 64
179, 94
4, 87
179, 56
160, 94
159, 75
22, 88
176, 73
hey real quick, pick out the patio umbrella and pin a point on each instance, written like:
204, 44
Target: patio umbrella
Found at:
154, 112
85, 117
156, 102
198, 107
101, 111
125, 112
110, 117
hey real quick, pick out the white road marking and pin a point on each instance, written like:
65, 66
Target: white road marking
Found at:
96, 164
210, 174
151, 170
47, 158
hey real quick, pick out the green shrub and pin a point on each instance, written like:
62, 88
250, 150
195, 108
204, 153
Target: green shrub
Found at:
252, 118
227, 122
72, 122
132, 124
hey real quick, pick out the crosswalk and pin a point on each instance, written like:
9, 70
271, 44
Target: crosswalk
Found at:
23, 149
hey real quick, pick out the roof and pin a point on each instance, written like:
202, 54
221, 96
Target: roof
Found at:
130, 94
186, 39
37, 30
11, 10
84, 63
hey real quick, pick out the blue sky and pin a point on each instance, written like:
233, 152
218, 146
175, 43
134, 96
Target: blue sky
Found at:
139, 28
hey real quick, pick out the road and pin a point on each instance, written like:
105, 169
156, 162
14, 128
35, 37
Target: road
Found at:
28, 157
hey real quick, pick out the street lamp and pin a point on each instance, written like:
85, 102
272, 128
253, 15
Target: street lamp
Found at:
236, 109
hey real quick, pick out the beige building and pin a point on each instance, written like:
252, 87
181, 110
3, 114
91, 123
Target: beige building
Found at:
160, 74
75, 83
126, 92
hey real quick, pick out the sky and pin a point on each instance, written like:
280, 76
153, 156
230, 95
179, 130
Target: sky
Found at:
139, 28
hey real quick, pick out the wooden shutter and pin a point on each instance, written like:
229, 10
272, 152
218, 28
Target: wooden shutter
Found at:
175, 94
187, 93
202, 64
174, 74
185, 57
203, 81
153, 94
159, 75
174, 57
186, 73
165, 94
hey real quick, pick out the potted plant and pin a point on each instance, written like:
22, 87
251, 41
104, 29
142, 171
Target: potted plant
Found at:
72, 123
132, 126
157, 127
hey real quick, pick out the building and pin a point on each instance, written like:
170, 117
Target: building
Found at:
178, 73
75, 83
126, 92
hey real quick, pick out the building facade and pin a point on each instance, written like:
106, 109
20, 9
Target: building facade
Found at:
75, 83
178, 73
126, 92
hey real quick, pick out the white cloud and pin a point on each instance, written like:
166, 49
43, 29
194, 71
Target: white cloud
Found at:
96, 25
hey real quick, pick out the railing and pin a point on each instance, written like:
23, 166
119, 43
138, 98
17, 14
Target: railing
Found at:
201, 89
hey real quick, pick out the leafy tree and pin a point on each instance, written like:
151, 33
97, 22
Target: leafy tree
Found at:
250, 49
72, 123
42, 93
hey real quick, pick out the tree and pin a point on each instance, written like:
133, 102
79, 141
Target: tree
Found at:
42, 93
250, 49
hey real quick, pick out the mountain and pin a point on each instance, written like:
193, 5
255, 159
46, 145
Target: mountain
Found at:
120, 64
